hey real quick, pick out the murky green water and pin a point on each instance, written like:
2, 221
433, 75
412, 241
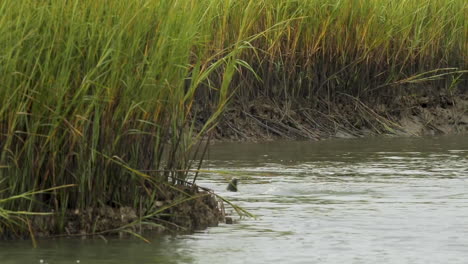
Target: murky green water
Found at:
340, 201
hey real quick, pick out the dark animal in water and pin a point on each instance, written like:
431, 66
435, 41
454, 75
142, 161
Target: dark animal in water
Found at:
232, 186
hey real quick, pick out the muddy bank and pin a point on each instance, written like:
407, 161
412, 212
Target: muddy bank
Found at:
176, 209
346, 117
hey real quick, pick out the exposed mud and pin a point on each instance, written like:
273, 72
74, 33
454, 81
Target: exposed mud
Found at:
346, 117
440, 115
185, 208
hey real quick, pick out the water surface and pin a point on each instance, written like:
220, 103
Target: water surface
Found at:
392, 200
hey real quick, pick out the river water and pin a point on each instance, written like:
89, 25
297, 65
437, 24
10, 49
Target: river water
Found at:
378, 200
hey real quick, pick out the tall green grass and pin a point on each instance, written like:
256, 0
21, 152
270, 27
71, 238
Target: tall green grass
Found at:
89, 85
359, 47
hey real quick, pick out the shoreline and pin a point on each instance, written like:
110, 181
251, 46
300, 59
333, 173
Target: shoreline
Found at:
266, 120
185, 209
188, 208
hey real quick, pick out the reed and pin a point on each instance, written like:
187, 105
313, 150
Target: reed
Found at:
362, 48
86, 83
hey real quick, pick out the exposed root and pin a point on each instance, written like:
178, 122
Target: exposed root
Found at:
188, 209
347, 117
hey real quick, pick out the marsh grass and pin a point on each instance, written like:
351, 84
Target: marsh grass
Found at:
362, 48
86, 80
89, 82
